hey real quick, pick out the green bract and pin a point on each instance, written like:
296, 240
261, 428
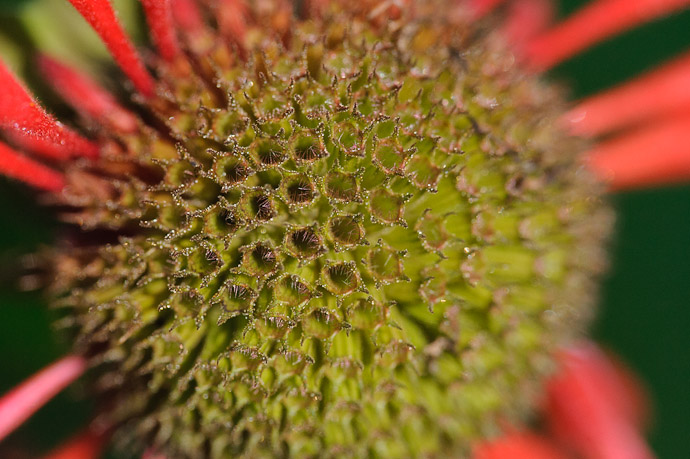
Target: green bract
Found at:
364, 240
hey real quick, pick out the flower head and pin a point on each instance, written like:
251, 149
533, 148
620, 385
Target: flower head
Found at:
326, 228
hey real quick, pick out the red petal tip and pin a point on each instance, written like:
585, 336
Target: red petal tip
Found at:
100, 15
589, 408
85, 445
21, 402
160, 20
19, 167
663, 91
655, 155
594, 23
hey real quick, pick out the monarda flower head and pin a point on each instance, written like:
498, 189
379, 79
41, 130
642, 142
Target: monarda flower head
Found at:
324, 228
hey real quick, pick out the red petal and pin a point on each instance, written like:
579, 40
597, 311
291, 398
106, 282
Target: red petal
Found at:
19, 167
594, 23
588, 409
85, 445
517, 445
85, 95
160, 19
21, 402
37, 145
655, 155
187, 16
19, 112
102, 18
232, 19
526, 19
483, 7
663, 91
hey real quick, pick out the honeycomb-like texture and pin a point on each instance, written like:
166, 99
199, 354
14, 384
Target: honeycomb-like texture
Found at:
364, 240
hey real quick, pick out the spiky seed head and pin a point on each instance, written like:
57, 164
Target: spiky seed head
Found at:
355, 237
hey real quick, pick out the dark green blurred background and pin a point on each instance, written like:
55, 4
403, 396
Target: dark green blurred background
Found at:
645, 313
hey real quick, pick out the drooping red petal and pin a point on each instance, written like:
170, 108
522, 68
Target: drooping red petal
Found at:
596, 22
663, 91
160, 20
85, 445
587, 409
517, 445
526, 19
20, 112
100, 15
85, 95
654, 155
21, 402
19, 167
187, 16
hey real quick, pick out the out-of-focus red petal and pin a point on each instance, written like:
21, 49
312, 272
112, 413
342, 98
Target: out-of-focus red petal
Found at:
19, 167
588, 410
232, 19
517, 445
24, 400
666, 90
20, 112
85, 445
85, 95
654, 155
187, 16
596, 22
483, 7
160, 20
526, 19
100, 15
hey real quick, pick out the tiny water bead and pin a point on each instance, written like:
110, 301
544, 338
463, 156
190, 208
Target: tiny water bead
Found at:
364, 238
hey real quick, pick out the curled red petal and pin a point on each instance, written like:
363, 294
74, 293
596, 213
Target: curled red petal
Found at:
85, 95
586, 408
655, 155
85, 445
24, 400
596, 22
160, 20
188, 17
19, 167
20, 112
663, 91
100, 15
517, 445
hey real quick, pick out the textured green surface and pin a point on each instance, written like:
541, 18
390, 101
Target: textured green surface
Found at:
367, 250
645, 314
